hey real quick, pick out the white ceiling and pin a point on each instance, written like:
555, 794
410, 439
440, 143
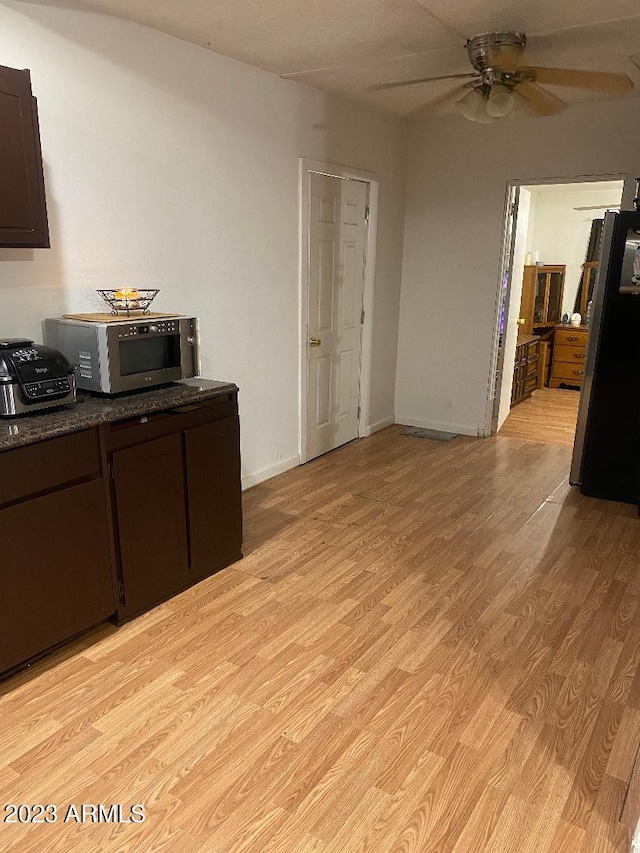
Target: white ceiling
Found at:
346, 46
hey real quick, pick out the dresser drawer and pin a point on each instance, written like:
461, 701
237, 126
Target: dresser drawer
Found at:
570, 337
569, 354
532, 365
567, 372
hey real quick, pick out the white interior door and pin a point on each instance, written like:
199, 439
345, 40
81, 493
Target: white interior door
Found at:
337, 244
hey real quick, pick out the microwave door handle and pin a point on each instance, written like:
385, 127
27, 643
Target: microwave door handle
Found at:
190, 351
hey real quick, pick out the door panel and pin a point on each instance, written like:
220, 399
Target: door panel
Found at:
55, 572
337, 246
351, 291
323, 395
149, 487
214, 496
325, 290
23, 212
347, 358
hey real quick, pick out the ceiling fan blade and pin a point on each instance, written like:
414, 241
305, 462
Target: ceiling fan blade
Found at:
542, 103
600, 207
401, 83
447, 98
598, 81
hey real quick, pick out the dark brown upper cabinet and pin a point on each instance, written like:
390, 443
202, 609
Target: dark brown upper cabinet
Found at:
23, 209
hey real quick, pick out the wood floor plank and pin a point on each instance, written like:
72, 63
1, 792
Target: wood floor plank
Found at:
625, 745
605, 831
567, 838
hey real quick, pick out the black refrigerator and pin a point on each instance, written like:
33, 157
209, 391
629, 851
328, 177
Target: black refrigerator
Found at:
606, 453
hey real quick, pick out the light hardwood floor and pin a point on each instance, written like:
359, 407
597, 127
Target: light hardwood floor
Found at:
428, 647
549, 416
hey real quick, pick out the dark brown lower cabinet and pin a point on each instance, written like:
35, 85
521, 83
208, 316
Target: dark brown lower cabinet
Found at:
176, 500
56, 573
110, 521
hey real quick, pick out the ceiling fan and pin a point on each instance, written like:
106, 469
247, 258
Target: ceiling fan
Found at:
501, 85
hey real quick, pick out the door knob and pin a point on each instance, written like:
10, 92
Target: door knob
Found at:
314, 342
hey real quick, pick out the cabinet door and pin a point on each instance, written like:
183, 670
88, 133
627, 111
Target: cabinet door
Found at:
592, 274
214, 495
23, 212
55, 571
149, 491
541, 299
527, 300
554, 303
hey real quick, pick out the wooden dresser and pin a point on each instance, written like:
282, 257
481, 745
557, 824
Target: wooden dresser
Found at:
569, 354
525, 371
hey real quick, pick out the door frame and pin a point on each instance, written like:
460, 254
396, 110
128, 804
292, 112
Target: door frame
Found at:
306, 168
506, 267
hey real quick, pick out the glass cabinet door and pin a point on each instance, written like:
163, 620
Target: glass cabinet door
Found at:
592, 273
555, 295
540, 298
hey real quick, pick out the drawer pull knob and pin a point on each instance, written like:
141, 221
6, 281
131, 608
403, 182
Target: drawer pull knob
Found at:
578, 372
579, 354
572, 338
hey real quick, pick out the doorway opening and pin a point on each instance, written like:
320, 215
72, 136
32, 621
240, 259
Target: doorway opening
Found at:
549, 266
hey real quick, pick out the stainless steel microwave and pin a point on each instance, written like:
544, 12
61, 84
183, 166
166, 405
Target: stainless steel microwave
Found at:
114, 356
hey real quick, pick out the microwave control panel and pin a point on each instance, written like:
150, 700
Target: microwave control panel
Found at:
161, 327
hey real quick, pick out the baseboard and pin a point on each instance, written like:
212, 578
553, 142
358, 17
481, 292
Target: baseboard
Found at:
267, 473
383, 424
460, 429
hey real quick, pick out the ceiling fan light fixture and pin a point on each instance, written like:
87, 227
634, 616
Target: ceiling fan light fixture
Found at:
470, 104
484, 117
501, 101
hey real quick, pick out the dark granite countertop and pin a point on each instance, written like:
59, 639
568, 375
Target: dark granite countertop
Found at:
91, 410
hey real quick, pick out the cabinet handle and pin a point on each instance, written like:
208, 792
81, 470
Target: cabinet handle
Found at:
572, 338
579, 354
578, 372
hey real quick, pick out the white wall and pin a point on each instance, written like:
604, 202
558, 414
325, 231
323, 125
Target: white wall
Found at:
169, 166
560, 234
456, 186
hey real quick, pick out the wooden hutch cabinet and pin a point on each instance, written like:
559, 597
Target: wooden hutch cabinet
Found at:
541, 303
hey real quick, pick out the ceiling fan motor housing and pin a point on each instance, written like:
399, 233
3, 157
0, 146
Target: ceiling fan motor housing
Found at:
489, 50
